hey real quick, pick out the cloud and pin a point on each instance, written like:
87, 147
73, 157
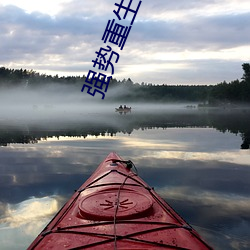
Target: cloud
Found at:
89, 9
42, 42
214, 32
66, 42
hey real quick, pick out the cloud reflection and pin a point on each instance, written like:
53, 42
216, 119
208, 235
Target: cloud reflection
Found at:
223, 156
22, 222
225, 215
29, 212
228, 203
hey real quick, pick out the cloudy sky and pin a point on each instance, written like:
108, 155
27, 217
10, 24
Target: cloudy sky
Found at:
171, 42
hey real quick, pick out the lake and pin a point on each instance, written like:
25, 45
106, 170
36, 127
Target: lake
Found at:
198, 160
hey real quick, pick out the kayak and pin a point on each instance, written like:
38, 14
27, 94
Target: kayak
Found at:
116, 209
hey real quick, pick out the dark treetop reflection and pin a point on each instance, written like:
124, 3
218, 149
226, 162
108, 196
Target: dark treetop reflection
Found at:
234, 121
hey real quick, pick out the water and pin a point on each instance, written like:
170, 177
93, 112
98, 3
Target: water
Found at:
193, 159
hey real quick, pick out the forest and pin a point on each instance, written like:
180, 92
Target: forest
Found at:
224, 93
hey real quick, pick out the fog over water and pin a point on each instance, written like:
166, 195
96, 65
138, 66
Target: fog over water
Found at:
59, 107
40, 103
56, 102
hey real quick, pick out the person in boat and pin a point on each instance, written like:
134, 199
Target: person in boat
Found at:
125, 106
120, 107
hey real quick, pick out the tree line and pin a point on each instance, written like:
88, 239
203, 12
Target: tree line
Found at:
236, 91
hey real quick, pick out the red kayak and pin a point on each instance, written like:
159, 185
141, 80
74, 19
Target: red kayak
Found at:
116, 209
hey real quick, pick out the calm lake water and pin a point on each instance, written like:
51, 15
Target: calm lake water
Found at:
197, 160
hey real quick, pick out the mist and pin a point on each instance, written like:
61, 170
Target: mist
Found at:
28, 114
53, 102
60, 102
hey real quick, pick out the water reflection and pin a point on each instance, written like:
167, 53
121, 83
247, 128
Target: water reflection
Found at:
21, 221
31, 210
195, 167
110, 123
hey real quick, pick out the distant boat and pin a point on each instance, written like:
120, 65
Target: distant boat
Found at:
125, 110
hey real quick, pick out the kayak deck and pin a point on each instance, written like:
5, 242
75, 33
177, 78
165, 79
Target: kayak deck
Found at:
116, 209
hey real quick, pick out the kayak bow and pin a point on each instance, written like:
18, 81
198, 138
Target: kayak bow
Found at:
116, 209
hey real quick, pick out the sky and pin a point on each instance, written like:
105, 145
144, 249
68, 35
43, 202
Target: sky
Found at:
170, 42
